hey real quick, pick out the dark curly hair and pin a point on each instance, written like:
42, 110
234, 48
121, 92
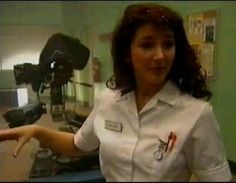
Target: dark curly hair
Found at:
186, 72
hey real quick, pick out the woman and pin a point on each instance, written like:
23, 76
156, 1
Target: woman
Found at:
152, 123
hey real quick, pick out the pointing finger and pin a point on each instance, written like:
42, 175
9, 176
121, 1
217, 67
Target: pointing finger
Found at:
19, 146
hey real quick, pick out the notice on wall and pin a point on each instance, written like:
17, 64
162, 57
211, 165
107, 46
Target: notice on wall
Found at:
207, 57
201, 31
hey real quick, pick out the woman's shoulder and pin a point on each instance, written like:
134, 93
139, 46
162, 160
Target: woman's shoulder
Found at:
110, 95
182, 98
189, 101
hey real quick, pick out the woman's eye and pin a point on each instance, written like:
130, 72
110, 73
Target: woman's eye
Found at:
169, 44
146, 45
150, 45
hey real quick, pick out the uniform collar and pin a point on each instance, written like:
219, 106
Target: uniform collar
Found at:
167, 94
119, 97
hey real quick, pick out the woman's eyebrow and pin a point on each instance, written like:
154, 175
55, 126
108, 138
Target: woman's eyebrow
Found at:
168, 34
150, 37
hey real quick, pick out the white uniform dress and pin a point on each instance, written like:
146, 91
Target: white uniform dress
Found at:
173, 136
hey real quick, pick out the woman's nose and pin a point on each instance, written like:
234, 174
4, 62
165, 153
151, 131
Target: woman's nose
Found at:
158, 53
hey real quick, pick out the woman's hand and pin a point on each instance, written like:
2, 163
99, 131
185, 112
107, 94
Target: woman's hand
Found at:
61, 142
21, 134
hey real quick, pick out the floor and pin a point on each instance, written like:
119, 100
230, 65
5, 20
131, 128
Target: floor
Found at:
18, 169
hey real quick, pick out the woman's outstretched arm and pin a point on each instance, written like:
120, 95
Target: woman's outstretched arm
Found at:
61, 142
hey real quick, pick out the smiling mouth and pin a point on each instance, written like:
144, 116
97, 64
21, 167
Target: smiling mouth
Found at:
158, 70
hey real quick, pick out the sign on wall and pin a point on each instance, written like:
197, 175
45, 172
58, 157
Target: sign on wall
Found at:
201, 31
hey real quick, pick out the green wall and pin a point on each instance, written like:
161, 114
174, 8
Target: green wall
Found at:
89, 20
31, 12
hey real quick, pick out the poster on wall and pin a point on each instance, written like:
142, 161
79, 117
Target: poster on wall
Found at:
201, 31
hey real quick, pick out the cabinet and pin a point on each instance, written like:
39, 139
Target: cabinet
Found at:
15, 97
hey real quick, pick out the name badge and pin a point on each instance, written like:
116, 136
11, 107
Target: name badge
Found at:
112, 125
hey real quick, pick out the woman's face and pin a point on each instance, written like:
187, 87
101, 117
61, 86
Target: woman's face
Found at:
152, 54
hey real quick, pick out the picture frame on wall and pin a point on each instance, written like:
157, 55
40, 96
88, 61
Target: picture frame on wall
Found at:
202, 33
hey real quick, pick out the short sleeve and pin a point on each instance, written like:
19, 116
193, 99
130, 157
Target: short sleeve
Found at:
205, 151
85, 138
